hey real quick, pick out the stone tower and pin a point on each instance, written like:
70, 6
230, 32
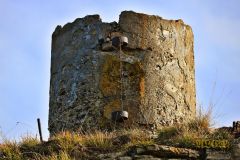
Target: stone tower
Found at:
158, 66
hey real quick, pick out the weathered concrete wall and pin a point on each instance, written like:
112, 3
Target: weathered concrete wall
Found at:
159, 82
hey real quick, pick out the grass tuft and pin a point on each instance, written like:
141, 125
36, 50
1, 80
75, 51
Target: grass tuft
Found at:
10, 150
60, 156
67, 141
97, 139
138, 137
185, 135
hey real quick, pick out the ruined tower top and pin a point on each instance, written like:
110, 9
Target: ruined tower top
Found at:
151, 77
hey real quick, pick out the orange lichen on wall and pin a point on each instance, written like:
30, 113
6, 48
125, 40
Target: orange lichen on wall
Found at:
144, 20
110, 83
142, 87
110, 76
110, 107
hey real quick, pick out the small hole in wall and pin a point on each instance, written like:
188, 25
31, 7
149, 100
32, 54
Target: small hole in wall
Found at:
149, 48
158, 67
81, 116
62, 93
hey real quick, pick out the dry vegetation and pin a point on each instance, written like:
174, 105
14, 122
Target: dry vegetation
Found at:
66, 145
185, 135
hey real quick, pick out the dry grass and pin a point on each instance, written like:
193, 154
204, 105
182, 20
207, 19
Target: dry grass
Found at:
28, 142
185, 135
10, 150
137, 137
67, 141
60, 156
97, 139
203, 121
68, 145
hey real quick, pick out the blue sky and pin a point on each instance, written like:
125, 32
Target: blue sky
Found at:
25, 50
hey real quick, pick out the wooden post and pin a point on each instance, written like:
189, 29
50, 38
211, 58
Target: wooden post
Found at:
39, 129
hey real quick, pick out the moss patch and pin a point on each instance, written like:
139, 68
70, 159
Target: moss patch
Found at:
110, 84
110, 77
142, 87
110, 107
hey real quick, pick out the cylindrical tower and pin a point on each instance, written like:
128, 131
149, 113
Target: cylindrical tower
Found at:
156, 85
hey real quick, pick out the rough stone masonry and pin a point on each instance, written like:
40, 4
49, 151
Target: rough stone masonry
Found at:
158, 66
